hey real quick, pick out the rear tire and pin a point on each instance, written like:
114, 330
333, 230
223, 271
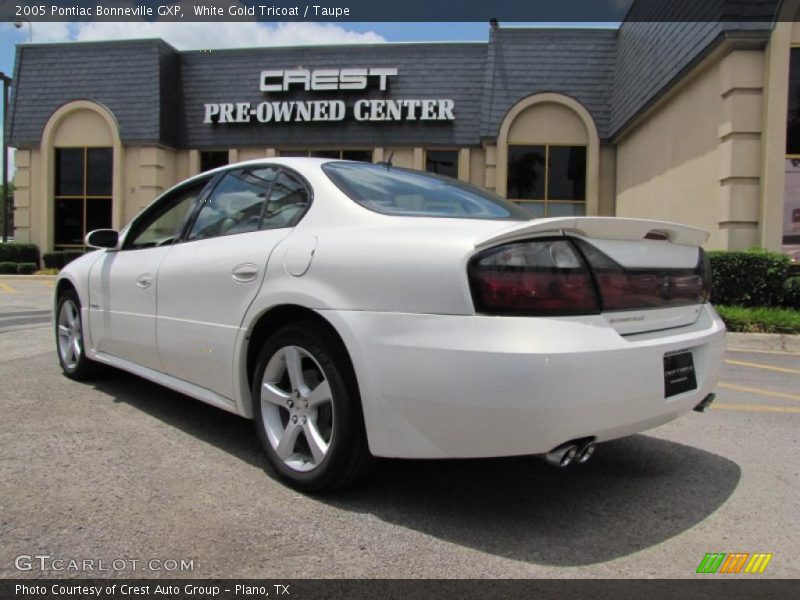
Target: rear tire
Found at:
70, 340
307, 409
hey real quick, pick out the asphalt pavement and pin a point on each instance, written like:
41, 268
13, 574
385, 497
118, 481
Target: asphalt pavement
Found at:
124, 469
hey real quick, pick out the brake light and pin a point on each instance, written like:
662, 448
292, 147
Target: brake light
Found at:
572, 277
635, 289
539, 277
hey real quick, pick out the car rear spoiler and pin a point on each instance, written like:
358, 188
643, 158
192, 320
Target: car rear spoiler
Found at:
608, 228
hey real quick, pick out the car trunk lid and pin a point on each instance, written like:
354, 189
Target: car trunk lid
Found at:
649, 275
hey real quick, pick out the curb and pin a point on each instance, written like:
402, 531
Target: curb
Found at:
23, 277
764, 342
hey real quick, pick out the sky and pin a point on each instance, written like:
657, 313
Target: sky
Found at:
196, 36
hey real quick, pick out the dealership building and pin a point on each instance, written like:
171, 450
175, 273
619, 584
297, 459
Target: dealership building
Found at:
695, 122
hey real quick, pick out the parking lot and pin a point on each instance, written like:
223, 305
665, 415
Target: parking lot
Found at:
124, 469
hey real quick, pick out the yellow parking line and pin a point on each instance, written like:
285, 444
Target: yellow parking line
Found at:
757, 408
50, 284
758, 391
7, 288
741, 363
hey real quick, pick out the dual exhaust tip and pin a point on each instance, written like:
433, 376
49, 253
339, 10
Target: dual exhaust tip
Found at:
578, 451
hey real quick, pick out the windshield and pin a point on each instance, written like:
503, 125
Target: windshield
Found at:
395, 191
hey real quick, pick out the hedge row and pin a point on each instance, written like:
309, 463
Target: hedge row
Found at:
16, 252
23, 268
751, 278
60, 259
791, 293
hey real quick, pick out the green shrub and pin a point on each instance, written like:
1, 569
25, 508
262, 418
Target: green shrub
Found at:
18, 253
751, 278
70, 255
26, 268
53, 260
60, 258
8, 268
760, 320
791, 292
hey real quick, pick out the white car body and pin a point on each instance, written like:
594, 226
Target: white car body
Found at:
436, 378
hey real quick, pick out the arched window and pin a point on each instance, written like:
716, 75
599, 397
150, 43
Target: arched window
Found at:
548, 157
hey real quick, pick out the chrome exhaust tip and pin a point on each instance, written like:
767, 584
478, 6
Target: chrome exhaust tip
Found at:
562, 455
705, 403
585, 453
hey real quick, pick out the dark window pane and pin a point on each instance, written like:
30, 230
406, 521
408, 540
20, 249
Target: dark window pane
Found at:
397, 191
535, 208
69, 222
235, 205
359, 155
98, 214
325, 153
442, 162
287, 203
567, 177
793, 116
69, 171
283, 153
212, 160
791, 206
526, 172
556, 209
99, 171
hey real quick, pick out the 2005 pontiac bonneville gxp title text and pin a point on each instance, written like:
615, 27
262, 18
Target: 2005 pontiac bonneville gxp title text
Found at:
357, 310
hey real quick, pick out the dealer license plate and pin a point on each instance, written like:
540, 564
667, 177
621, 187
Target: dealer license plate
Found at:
679, 376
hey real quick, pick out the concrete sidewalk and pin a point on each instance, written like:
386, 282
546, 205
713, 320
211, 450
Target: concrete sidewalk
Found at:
764, 342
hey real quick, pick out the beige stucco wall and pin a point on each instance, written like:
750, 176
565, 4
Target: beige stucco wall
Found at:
606, 203
27, 208
80, 128
547, 123
149, 171
696, 158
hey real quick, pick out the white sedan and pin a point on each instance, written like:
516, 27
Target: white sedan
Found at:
360, 310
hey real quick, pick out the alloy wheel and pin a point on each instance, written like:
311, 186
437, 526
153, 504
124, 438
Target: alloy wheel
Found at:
297, 408
70, 336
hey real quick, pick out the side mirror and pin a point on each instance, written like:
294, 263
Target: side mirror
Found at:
103, 238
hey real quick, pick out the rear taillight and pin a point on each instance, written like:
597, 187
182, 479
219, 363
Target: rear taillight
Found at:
540, 277
635, 289
572, 277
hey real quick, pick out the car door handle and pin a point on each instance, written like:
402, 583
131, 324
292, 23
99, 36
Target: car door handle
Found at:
144, 281
245, 273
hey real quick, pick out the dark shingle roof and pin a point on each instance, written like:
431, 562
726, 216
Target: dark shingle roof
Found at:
123, 76
157, 93
575, 62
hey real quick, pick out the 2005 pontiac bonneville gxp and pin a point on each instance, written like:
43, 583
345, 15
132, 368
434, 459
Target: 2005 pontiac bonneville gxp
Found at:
356, 310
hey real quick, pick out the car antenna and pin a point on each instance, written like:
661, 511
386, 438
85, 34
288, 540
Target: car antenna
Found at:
388, 162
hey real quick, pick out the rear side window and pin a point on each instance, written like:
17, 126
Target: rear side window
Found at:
287, 203
395, 191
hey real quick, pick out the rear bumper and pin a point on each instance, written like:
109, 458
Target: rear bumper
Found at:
437, 386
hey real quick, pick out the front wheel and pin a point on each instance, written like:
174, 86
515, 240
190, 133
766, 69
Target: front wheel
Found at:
70, 340
307, 409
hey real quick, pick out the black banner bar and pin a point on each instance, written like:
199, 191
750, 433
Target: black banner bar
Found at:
710, 587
